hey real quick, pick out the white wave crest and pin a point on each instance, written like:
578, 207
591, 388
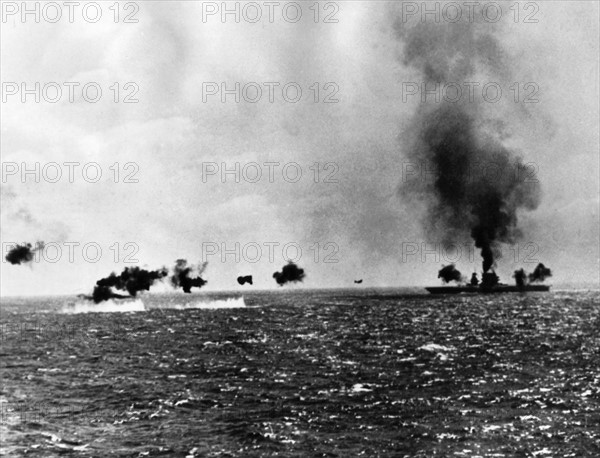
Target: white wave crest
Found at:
109, 306
229, 303
435, 347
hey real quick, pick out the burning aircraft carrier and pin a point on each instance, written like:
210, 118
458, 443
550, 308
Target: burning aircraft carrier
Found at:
490, 282
456, 142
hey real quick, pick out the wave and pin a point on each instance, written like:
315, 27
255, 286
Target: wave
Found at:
229, 303
435, 347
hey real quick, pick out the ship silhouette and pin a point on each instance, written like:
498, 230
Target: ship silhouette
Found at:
490, 283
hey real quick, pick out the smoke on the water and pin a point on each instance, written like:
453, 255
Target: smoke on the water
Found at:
290, 273
188, 276
132, 280
23, 254
456, 142
539, 274
450, 273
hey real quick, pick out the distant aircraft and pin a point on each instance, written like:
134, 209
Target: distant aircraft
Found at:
358, 281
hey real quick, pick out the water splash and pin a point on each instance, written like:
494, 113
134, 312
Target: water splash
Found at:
229, 303
109, 306
137, 305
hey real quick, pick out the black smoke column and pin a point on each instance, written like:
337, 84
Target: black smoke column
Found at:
474, 184
289, 273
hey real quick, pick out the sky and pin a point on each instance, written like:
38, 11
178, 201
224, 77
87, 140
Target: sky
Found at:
331, 163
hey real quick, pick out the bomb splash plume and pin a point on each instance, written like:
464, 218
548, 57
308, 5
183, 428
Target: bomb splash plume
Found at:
23, 254
187, 276
290, 273
456, 141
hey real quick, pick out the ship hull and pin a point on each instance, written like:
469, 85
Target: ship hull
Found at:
492, 290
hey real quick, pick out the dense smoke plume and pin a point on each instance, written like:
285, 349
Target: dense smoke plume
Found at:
539, 274
135, 279
23, 254
132, 280
475, 186
450, 273
242, 280
289, 273
188, 276
103, 293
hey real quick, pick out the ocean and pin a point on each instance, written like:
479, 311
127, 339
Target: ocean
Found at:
301, 373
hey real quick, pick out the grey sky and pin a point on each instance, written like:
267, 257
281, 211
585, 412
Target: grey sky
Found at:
171, 134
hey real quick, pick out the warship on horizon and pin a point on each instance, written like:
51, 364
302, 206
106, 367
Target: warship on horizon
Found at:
490, 283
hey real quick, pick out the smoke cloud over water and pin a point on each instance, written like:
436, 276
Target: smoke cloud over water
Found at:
455, 139
132, 280
540, 273
188, 276
290, 273
450, 273
23, 254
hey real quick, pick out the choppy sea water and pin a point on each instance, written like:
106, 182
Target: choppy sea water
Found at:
303, 374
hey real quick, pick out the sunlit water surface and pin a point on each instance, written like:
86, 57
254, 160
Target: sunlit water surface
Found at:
303, 373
